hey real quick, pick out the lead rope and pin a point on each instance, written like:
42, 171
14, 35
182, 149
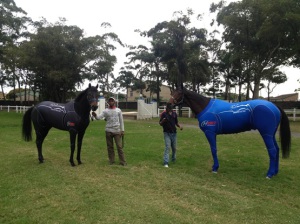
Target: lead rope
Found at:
92, 118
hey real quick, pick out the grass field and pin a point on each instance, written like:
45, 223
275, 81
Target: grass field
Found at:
145, 191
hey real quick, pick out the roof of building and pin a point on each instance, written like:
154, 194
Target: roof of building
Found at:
285, 96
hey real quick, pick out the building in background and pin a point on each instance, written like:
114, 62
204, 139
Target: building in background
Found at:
2, 96
164, 94
286, 97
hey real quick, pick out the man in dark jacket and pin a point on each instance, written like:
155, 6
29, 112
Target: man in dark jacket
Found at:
169, 121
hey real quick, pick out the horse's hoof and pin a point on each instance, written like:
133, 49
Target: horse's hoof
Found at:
269, 176
79, 162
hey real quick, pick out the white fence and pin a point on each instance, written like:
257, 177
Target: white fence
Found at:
147, 111
17, 109
293, 113
185, 110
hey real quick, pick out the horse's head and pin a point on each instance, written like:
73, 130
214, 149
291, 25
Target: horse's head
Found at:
92, 96
177, 97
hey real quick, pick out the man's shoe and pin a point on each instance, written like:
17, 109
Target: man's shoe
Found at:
166, 165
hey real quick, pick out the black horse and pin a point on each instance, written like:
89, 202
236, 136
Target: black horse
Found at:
73, 117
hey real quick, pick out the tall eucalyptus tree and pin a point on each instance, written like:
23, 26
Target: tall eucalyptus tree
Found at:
264, 33
175, 43
12, 25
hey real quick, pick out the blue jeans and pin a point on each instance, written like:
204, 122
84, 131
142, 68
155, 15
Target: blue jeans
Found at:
170, 141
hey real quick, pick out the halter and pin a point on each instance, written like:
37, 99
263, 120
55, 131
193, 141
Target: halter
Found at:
91, 98
180, 102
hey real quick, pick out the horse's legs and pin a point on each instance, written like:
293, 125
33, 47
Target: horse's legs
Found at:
266, 120
273, 154
40, 136
72, 144
211, 137
41, 131
79, 144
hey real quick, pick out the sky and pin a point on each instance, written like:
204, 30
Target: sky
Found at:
127, 16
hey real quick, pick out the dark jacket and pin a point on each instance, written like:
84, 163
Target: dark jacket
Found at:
169, 125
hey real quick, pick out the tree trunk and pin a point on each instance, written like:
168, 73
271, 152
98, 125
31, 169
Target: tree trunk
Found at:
157, 85
256, 88
3, 92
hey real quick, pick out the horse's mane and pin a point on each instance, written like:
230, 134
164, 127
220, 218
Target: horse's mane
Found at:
80, 95
195, 101
195, 96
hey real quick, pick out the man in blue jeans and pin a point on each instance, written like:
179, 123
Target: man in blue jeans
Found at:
169, 121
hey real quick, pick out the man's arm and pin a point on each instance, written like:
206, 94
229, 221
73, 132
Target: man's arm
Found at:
177, 124
122, 128
163, 118
100, 116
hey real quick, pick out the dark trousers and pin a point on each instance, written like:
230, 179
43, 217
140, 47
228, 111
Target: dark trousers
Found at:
110, 137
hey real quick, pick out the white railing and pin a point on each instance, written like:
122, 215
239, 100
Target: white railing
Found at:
292, 113
17, 109
185, 110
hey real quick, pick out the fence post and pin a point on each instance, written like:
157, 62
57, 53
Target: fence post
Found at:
294, 114
8, 109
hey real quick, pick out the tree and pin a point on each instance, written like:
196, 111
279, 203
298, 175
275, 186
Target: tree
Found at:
102, 59
12, 22
55, 55
297, 90
276, 77
174, 41
139, 66
264, 33
148, 68
124, 80
60, 58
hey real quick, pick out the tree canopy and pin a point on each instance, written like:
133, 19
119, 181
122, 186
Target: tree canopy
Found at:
258, 37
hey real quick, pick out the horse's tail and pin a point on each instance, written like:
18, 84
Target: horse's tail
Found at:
26, 127
285, 134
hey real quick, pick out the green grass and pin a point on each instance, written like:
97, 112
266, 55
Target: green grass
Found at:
145, 191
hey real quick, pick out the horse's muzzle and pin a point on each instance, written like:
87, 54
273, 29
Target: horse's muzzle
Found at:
94, 107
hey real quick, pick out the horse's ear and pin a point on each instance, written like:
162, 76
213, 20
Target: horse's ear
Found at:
181, 86
90, 85
97, 86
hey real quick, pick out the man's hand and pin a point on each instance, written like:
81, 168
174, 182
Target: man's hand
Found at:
163, 120
94, 114
122, 133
